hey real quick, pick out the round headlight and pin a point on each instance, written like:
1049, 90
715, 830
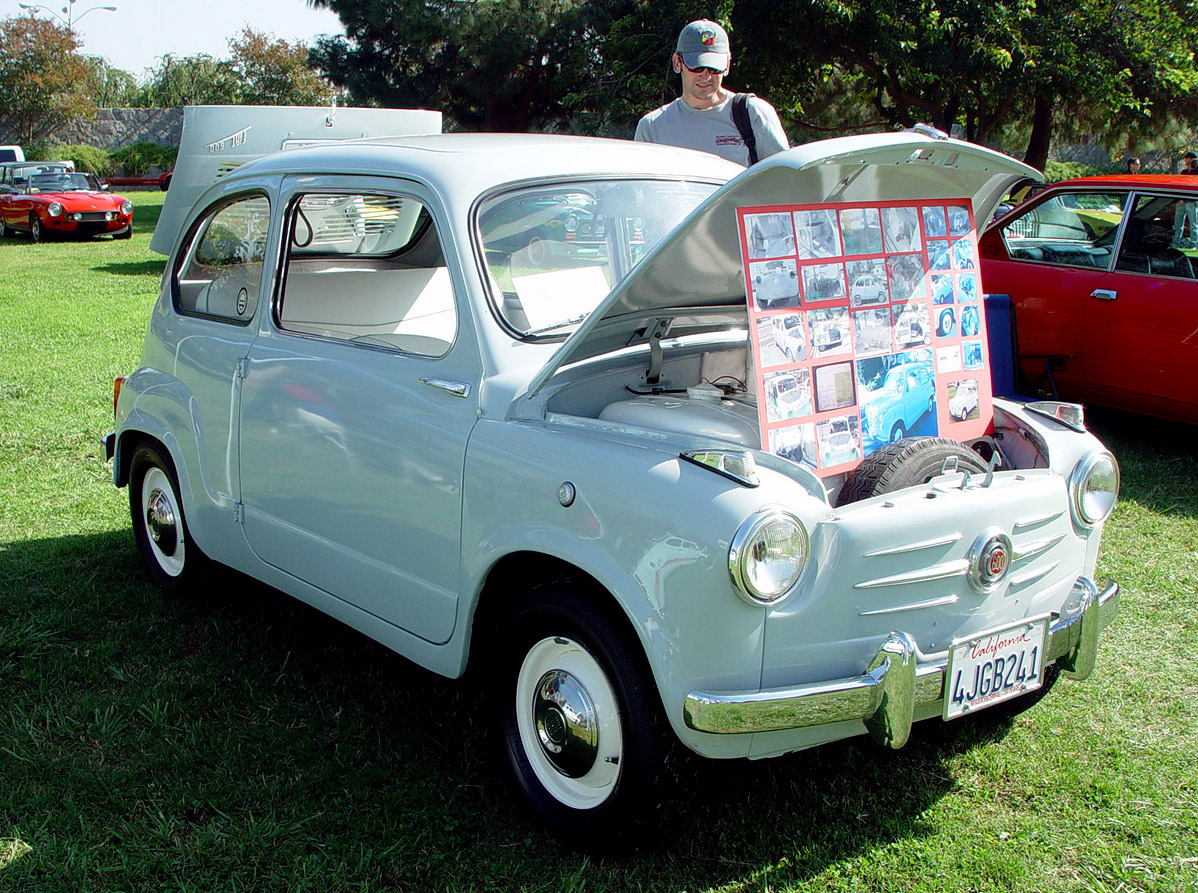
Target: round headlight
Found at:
126, 207
55, 209
1094, 487
767, 556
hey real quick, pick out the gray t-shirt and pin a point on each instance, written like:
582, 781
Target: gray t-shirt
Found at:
713, 130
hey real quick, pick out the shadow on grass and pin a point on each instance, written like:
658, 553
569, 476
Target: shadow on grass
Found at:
133, 268
1158, 459
250, 736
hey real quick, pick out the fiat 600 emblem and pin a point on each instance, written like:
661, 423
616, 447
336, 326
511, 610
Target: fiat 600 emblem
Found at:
989, 560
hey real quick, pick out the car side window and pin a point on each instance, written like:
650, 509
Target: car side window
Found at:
369, 269
1160, 237
1070, 229
220, 272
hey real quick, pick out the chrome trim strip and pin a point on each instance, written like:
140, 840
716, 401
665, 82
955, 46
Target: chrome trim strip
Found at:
1036, 547
958, 568
916, 606
886, 696
914, 547
1034, 574
1038, 519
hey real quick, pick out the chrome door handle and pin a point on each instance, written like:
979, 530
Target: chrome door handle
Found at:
1104, 294
457, 388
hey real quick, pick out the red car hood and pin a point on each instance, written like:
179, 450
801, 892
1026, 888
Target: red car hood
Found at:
82, 201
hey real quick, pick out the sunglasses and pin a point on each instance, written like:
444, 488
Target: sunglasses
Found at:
703, 69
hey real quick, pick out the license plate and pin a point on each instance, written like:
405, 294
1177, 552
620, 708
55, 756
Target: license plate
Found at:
995, 667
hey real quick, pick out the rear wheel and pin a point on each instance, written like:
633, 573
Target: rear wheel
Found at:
172, 561
579, 718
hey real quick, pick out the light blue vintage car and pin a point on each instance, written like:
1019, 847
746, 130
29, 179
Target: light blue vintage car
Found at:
353, 389
904, 396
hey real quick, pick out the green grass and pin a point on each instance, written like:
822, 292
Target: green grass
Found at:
242, 742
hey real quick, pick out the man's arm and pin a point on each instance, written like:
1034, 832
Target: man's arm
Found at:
771, 138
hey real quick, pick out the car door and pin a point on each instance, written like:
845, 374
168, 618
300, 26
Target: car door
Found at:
1140, 322
357, 404
1050, 259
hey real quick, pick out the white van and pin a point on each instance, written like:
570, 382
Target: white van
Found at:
11, 153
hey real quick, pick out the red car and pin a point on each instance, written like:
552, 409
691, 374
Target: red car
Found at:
1101, 274
63, 203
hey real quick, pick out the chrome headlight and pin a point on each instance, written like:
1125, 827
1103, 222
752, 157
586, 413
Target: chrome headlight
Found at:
126, 207
767, 556
1093, 488
55, 209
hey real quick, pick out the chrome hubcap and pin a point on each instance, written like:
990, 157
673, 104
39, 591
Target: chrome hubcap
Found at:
160, 522
566, 722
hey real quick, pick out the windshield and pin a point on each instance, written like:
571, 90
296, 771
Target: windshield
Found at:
63, 182
553, 252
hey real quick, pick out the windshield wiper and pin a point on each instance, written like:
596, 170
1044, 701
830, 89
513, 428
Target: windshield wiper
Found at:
559, 325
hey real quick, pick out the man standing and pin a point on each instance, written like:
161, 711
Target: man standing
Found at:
703, 116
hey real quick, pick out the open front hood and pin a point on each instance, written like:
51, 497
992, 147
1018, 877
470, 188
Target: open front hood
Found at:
694, 279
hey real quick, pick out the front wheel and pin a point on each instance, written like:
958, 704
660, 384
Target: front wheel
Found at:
578, 719
35, 229
172, 561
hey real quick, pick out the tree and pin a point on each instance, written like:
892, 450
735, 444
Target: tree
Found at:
44, 82
275, 72
487, 64
190, 80
110, 87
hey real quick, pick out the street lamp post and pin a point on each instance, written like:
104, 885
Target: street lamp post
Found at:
68, 18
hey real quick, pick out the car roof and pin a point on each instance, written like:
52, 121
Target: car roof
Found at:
1135, 181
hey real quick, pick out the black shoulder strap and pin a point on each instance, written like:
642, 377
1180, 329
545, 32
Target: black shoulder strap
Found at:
740, 117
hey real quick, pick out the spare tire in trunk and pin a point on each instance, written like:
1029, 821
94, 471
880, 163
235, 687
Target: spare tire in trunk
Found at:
906, 463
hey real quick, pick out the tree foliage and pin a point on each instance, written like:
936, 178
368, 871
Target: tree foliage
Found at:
43, 79
275, 72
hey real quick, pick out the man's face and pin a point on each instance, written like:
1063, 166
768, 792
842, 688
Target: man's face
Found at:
1190, 163
701, 88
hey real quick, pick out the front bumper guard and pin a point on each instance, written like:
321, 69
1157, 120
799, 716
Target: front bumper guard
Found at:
886, 696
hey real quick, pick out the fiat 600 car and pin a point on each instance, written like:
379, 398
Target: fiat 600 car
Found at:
355, 389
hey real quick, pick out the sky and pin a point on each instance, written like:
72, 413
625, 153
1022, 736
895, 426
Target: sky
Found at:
141, 31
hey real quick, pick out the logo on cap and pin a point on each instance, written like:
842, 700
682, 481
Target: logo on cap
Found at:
708, 38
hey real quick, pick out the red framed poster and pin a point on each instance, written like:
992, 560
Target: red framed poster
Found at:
867, 326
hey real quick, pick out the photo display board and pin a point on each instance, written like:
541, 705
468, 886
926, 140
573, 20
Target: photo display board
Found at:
867, 326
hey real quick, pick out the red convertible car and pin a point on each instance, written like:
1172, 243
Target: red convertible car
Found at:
1101, 274
63, 203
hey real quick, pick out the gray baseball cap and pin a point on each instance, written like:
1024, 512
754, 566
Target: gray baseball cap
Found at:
704, 44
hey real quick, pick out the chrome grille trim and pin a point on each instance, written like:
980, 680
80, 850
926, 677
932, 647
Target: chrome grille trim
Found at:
958, 568
914, 606
914, 547
1027, 550
1037, 519
1033, 575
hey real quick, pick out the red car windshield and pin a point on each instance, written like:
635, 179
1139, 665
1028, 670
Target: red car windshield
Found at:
63, 182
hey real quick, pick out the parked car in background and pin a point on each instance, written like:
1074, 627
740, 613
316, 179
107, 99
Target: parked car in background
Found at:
1101, 274
557, 476
11, 153
56, 203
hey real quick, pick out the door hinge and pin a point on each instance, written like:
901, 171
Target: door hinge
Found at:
239, 512
243, 367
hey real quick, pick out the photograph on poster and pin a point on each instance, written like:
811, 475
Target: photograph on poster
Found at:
901, 226
934, 224
938, 255
948, 359
768, 352
867, 280
967, 288
963, 254
830, 334
823, 282
970, 323
958, 220
796, 443
770, 235
963, 403
861, 229
871, 330
905, 272
788, 394
911, 326
942, 288
789, 337
946, 323
898, 397
834, 387
973, 354
839, 440
775, 283
818, 234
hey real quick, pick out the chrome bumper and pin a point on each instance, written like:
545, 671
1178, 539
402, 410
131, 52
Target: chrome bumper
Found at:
886, 695
108, 441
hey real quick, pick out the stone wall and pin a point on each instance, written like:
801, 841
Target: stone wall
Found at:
114, 128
